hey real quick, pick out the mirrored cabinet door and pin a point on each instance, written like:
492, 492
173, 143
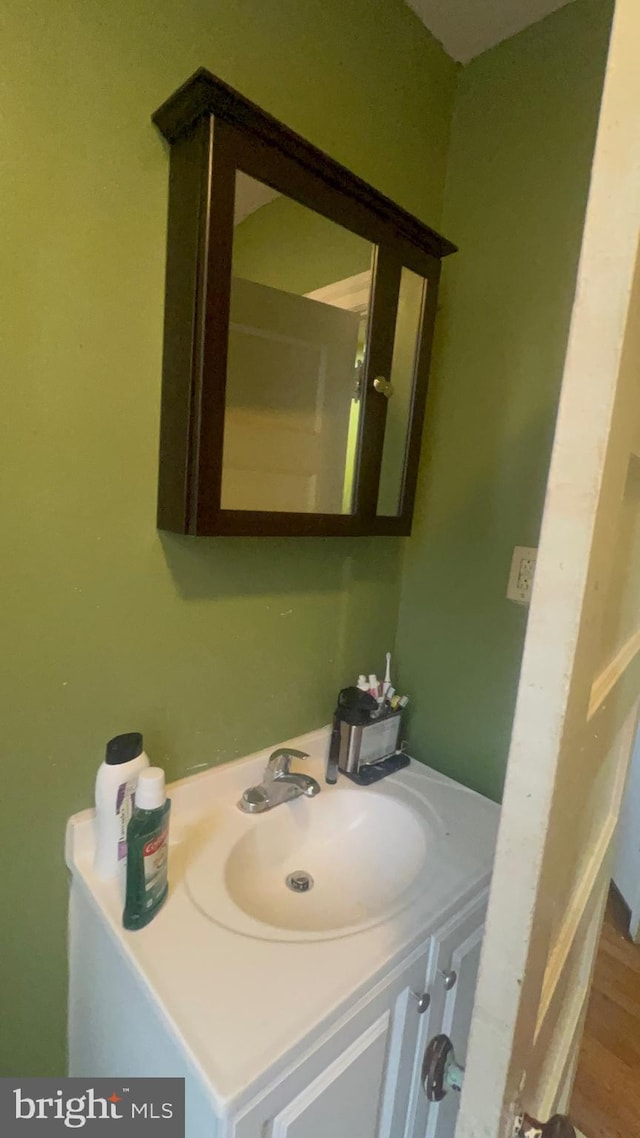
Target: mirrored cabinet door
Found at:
298, 323
399, 392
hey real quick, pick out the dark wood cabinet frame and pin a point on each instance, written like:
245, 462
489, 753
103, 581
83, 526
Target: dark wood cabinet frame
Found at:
213, 131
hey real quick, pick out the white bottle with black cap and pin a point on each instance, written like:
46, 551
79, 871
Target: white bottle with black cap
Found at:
115, 787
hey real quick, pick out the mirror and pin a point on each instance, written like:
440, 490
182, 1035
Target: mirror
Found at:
298, 326
404, 362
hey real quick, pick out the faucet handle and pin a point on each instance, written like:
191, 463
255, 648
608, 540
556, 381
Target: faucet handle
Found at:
280, 760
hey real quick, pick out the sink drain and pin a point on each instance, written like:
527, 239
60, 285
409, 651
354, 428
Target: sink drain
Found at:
300, 881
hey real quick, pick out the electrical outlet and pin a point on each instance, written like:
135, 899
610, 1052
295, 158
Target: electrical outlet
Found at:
523, 564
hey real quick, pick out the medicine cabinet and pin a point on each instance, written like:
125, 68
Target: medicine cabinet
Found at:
299, 313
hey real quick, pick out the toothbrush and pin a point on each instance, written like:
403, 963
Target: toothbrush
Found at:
387, 676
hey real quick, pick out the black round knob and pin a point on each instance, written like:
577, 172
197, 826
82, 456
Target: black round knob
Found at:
434, 1066
423, 1001
440, 1071
557, 1127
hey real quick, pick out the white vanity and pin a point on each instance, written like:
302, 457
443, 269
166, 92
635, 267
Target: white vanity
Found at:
291, 1014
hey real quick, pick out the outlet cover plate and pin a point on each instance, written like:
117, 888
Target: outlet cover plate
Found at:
523, 564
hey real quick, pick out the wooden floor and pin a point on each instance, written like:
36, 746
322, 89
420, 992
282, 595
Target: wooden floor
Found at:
606, 1097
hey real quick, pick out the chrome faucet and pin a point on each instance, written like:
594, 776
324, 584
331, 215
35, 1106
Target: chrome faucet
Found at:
279, 783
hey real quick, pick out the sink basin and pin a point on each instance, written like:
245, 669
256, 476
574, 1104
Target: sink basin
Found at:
315, 868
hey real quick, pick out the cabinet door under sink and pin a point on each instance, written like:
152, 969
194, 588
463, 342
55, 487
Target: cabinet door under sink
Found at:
345, 1098
452, 984
355, 1084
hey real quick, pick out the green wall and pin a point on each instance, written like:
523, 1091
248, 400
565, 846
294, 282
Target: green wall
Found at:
521, 147
211, 648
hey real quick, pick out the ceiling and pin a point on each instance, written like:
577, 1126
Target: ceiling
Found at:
250, 196
465, 28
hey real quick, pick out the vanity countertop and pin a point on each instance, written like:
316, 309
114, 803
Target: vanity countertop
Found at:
240, 1003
